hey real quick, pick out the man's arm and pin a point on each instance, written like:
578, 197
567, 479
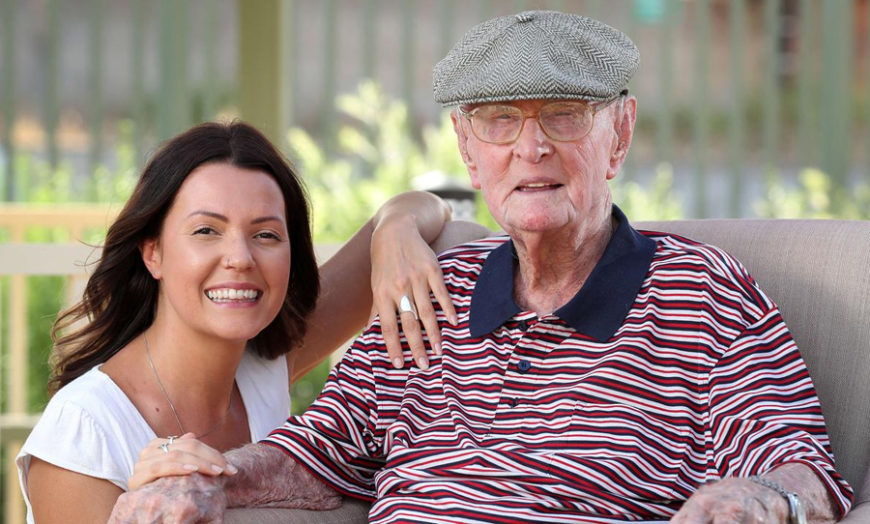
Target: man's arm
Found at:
266, 477
255, 485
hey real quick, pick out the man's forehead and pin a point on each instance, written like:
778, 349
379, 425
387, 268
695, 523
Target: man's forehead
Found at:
524, 103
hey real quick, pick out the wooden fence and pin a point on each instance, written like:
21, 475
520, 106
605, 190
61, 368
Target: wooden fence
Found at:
728, 89
19, 260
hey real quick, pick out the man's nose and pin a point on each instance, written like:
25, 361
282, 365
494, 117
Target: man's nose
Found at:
533, 143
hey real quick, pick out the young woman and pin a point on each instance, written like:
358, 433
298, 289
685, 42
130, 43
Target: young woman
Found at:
202, 310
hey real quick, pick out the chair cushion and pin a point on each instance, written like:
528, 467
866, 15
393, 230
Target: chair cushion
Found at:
818, 272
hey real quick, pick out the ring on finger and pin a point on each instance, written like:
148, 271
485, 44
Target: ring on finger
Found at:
165, 447
405, 306
172, 438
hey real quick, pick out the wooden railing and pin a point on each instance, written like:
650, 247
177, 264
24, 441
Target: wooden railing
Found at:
20, 260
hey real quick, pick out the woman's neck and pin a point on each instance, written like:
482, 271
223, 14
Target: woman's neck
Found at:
197, 371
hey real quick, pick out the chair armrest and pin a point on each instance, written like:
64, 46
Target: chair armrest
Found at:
860, 514
352, 511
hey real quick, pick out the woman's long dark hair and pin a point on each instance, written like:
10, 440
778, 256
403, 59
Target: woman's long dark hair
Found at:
120, 298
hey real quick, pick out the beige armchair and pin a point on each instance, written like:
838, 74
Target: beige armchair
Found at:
818, 271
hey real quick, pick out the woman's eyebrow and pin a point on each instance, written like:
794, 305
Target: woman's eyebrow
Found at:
208, 214
268, 218
218, 216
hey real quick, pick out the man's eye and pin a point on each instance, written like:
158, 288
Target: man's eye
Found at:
504, 117
566, 112
499, 113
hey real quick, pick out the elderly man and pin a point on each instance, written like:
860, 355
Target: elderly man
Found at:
596, 373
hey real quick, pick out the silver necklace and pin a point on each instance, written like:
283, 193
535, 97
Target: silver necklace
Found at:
172, 406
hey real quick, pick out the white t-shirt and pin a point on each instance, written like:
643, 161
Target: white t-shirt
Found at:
90, 426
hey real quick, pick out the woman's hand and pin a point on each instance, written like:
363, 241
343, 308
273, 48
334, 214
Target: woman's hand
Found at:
178, 456
403, 265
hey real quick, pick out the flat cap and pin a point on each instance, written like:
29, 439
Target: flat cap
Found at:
535, 55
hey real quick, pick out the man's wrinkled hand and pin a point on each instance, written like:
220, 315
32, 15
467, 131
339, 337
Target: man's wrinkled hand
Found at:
188, 499
733, 501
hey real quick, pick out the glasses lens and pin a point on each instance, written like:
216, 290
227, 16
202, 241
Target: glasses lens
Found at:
566, 120
497, 123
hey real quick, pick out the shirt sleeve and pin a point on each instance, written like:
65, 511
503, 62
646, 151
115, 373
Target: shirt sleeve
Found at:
764, 411
68, 436
340, 436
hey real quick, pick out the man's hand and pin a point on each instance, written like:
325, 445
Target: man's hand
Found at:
733, 501
740, 500
189, 499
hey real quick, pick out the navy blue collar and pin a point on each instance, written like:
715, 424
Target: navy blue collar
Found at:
597, 310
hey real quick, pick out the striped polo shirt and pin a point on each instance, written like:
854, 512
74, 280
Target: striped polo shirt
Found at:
669, 368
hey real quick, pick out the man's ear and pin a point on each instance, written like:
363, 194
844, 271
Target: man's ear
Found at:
624, 132
462, 142
152, 257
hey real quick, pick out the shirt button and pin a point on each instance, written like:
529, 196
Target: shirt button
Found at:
513, 402
524, 325
524, 365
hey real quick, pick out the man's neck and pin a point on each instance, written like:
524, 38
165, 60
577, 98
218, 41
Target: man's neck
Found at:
550, 272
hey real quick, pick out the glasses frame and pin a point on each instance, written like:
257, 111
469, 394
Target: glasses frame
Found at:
594, 108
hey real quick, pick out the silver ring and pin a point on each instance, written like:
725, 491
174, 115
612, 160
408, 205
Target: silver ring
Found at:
165, 447
172, 438
405, 306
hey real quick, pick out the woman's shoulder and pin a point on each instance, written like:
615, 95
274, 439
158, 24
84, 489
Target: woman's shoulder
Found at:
94, 394
85, 387
89, 426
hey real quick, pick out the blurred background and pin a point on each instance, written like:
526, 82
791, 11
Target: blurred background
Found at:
747, 108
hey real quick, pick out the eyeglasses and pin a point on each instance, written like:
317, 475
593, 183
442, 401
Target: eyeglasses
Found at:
561, 121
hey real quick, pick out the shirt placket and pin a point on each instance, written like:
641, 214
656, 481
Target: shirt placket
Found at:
521, 365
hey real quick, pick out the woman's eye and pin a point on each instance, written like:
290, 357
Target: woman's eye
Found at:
203, 230
268, 235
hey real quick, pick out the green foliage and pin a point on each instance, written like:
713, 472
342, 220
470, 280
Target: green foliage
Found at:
377, 158
306, 389
816, 196
658, 202
38, 183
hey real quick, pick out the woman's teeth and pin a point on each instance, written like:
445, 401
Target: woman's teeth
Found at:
222, 295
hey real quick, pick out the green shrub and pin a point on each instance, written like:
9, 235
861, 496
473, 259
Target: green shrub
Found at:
816, 196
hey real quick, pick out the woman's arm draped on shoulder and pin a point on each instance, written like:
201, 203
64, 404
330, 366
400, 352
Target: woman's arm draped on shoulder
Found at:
60, 495
404, 264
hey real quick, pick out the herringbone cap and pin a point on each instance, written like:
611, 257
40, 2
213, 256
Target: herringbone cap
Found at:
535, 55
